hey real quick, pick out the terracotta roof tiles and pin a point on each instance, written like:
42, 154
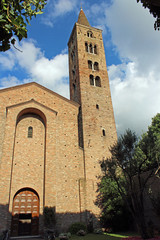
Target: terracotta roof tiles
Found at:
82, 19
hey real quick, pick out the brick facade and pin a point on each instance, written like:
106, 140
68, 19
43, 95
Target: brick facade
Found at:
60, 162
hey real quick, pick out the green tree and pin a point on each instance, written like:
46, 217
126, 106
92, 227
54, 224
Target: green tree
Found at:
14, 17
130, 169
150, 142
114, 214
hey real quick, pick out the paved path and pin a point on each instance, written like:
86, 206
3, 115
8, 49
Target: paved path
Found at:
26, 238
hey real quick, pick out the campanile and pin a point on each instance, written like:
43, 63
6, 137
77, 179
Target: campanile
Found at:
89, 86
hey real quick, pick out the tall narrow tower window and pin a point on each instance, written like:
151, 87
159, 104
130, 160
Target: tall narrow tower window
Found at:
98, 81
73, 73
95, 49
96, 66
103, 132
91, 48
97, 106
89, 64
73, 55
30, 132
74, 90
91, 79
86, 47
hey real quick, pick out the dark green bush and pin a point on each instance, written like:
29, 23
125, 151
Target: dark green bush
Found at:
75, 227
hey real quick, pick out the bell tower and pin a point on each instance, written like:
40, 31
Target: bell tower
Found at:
89, 86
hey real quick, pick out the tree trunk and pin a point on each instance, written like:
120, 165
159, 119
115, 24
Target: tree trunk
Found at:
143, 228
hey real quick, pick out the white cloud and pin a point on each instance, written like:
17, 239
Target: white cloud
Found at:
29, 55
51, 73
63, 6
57, 8
135, 99
7, 60
135, 84
11, 81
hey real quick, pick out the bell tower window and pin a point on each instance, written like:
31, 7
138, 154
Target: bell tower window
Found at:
96, 66
90, 48
89, 34
95, 49
89, 64
95, 81
73, 73
86, 47
74, 89
98, 81
73, 56
91, 80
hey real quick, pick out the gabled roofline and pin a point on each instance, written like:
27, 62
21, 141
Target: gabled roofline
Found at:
31, 101
42, 87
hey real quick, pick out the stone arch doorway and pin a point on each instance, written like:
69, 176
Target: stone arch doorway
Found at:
25, 213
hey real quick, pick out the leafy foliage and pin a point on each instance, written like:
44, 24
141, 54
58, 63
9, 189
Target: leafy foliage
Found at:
128, 171
75, 227
14, 17
150, 143
154, 8
114, 214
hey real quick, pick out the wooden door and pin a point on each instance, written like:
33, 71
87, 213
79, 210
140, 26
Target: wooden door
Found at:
25, 213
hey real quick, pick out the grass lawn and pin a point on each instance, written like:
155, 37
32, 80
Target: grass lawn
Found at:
99, 237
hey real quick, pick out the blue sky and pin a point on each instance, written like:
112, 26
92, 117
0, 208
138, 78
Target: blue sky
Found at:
132, 54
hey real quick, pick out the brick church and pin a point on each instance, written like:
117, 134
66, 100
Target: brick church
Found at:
50, 147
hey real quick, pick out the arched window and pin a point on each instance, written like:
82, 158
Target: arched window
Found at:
96, 66
91, 77
95, 49
97, 106
89, 64
90, 48
89, 34
30, 132
104, 132
86, 46
97, 82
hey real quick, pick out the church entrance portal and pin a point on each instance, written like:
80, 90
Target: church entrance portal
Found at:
25, 213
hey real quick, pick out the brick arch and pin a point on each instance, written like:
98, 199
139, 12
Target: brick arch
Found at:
25, 212
33, 111
26, 188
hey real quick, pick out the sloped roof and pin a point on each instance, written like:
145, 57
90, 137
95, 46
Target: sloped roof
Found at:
82, 19
39, 86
